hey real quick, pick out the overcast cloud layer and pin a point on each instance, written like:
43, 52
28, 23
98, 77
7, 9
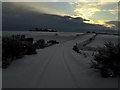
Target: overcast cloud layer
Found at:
17, 17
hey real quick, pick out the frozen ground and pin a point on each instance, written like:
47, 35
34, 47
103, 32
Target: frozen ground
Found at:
57, 66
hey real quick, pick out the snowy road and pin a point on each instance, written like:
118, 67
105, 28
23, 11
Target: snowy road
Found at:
55, 67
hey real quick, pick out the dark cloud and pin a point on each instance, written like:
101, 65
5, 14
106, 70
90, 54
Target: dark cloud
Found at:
23, 18
115, 23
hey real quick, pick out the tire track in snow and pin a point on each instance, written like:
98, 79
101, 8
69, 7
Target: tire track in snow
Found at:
65, 62
45, 66
67, 55
56, 73
69, 70
32, 75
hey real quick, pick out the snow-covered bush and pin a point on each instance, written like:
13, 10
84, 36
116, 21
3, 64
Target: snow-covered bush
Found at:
107, 60
29, 48
77, 35
40, 44
11, 49
56, 34
75, 48
51, 42
88, 32
30, 40
14, 47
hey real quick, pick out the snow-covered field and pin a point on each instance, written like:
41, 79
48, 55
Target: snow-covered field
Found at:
59, 36
57, 66
101, 39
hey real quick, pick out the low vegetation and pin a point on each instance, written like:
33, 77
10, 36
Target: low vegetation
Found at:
75, 48
40, 44
51, 42
107, 60
16, 46
43, 30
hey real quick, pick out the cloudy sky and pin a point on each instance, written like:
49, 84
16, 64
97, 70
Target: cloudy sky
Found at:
60, 0
96, 13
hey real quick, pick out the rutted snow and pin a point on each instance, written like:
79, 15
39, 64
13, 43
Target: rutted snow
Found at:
57, 66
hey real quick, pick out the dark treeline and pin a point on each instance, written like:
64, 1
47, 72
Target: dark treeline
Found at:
43, 30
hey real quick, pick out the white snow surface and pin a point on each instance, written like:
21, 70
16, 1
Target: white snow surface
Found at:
57, 66
59, 36
101, 39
